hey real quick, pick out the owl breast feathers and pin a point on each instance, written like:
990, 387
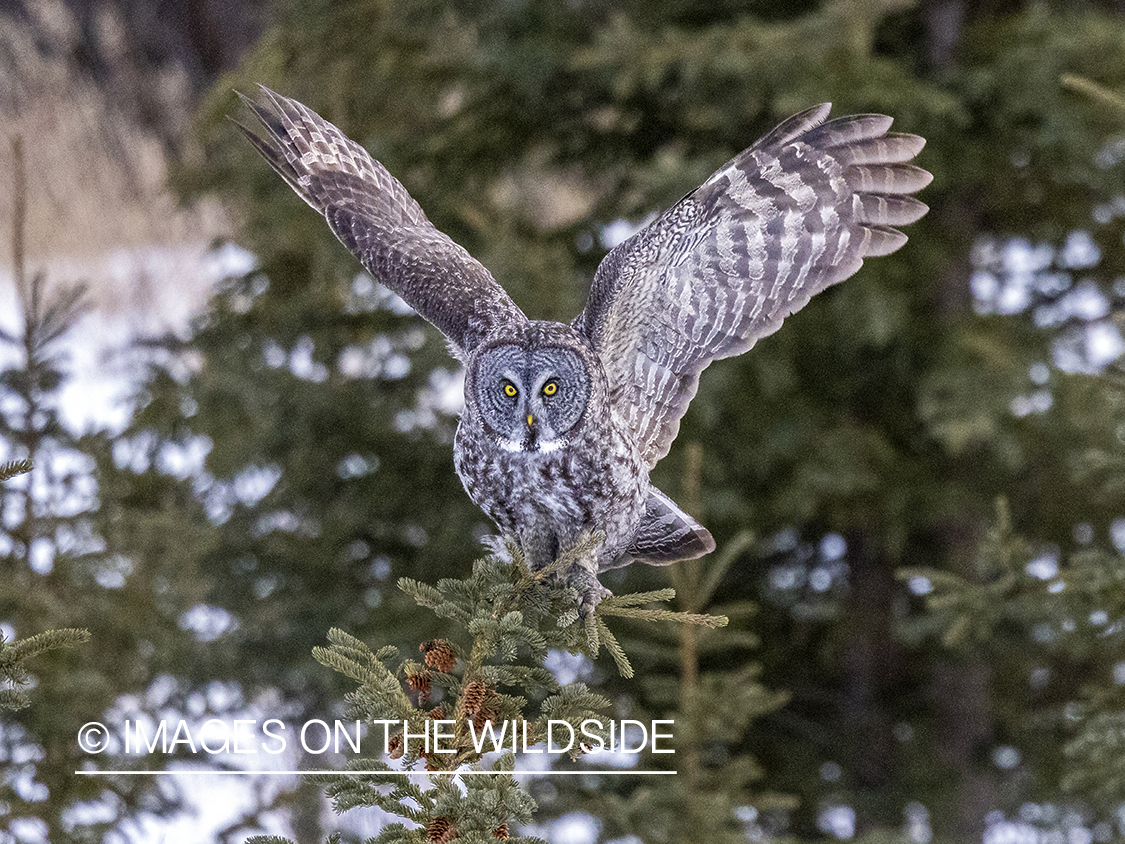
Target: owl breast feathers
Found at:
563, 423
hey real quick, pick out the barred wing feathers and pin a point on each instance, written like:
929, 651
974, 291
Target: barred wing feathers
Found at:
796, 212
373, 215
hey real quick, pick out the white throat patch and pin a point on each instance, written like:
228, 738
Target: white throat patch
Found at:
544, 446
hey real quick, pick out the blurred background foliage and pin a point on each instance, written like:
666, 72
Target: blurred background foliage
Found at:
928, 627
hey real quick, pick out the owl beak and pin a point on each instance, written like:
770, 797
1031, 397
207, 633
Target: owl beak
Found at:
531, 435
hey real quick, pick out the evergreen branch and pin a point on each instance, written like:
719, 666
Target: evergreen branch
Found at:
432, 599
569, 617
426, 595
634, 599
575, 699
14, 655
510, 614
396, 833
352, 658
1088, 87
698, 619
14, 700
593, 641
346, 646
615, 650
386, 652
65, 637
342, 664
15, 467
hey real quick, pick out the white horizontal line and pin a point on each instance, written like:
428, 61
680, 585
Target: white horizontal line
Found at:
365, 773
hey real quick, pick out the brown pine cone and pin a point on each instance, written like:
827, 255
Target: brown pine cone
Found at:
419, 683
439, 655
482, 717
473, 695
437, 713
396, 747
440, 830
501, 831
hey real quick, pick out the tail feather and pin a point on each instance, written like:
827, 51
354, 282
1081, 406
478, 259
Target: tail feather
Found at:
666, 535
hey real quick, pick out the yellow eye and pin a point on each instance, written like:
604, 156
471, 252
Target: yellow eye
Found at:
550, 388
510, 390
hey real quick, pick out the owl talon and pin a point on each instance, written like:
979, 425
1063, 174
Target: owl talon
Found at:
583, 576
594, 595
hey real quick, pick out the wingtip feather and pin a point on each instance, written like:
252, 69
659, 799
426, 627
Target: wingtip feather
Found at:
795, 126
914, 143
883, 240
272, 147
887, 209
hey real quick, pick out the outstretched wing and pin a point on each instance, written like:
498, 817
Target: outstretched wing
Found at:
794, 213
374, 216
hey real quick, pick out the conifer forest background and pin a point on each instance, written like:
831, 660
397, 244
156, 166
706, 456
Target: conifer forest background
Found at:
917, 486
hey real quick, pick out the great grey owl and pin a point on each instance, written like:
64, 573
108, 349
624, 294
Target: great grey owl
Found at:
563, 422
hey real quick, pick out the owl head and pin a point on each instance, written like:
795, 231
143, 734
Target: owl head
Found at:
534, 387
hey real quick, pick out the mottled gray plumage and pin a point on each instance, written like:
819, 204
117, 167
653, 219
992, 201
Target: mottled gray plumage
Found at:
562, 423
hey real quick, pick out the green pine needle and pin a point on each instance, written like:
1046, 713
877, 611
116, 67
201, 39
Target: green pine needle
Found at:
15, 467
13, 655
66, 637
615, 650
592, 638
635, 599
698, 619
1093, 90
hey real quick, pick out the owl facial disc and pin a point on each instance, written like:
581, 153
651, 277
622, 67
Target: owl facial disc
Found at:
530, 398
